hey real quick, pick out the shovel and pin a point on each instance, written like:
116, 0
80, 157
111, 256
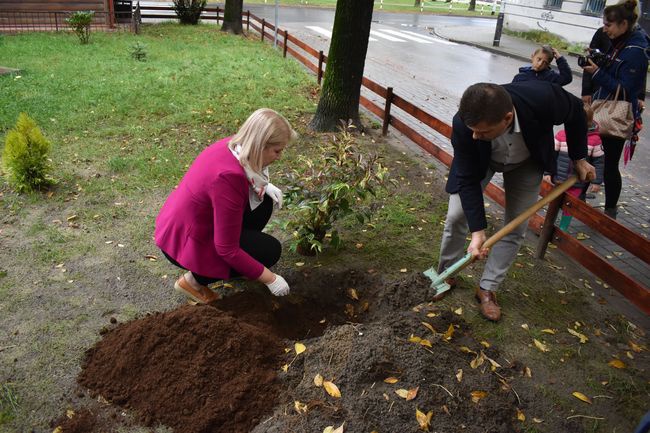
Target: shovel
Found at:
438, 281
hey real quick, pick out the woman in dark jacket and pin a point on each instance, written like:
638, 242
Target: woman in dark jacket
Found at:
626, 65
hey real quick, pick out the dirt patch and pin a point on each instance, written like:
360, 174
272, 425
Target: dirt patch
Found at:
217, 368
195, 369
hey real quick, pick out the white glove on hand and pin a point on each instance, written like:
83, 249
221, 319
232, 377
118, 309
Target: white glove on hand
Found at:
279, 286
275, 193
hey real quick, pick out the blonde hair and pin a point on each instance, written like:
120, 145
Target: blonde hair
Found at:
264, 128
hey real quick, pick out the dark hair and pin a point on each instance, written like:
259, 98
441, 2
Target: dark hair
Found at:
627, 10
484, 102
546, 50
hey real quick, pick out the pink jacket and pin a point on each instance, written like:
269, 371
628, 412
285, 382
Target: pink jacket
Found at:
201, 222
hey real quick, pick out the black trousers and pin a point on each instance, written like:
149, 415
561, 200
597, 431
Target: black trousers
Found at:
262, 247
613, 148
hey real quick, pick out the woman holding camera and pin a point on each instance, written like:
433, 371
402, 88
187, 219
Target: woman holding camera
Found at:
625, 64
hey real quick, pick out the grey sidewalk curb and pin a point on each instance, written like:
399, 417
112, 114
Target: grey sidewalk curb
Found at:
494, 50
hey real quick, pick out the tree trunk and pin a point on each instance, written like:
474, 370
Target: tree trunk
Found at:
472, 5
417, 3
339, 101
232, 16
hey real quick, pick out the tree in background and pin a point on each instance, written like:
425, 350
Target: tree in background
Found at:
232, 16
472, 5
339, 101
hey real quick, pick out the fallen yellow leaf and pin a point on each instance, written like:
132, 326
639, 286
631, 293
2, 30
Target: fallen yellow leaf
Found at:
423, 420
318, 380
528, 372
485, 344
520, 416
69, 413
459, 311
339, 429
541, 346
459, 375
635, 347
548, 331
581, 396
332, 389
413, 392
299, 347
616, 363
583, 338
478, 395
414, 339
425, 343
391, 380
352, 293
466, 349
59, 429
478, 361
537, 420
285, 368
329, 429
402, 393
300, 407
429, 327
450, 332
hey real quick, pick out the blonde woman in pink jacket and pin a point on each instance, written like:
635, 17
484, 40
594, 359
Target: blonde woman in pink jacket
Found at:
211, 224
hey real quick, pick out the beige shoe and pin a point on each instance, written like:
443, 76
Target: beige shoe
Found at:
203, 295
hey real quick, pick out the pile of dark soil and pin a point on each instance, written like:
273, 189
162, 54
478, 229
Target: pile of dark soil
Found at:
194, 369
217, 368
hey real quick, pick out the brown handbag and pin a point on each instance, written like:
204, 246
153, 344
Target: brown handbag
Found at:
614, 118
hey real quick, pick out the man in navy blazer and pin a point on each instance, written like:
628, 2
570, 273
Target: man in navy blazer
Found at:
508, 129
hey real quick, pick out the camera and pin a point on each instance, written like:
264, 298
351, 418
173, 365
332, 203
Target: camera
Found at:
599, 58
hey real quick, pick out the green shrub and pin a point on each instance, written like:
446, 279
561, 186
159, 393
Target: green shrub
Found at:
139, 52
323, 189
541, 37
80, 23
189, 11
25, 156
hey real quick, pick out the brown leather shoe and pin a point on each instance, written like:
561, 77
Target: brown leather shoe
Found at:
203, 295
452, 284
489, 307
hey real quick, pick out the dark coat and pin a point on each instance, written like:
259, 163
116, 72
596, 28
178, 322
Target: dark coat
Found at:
539, 106
564, 77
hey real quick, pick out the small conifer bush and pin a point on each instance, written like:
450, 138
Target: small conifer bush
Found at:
80, 23
25, 156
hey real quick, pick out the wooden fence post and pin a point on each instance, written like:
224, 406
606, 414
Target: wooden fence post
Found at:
284, 47
546, 233
320, 67
217, 14
248, 20
263, 24
389, 102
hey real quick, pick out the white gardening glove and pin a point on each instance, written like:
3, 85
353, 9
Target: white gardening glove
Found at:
279, 286
275, 193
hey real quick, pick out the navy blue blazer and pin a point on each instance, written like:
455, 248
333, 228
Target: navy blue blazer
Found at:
539, 105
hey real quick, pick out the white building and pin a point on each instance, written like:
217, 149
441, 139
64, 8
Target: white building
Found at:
574, 20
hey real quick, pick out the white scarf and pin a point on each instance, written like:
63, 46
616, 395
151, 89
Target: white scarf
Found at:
256, 181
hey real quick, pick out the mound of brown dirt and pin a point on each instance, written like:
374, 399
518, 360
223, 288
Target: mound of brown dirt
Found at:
195, 369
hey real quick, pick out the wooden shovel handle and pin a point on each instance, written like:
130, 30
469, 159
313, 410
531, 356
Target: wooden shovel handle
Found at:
555, 193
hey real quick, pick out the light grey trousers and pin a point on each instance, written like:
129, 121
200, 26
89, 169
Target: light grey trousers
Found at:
521, 183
